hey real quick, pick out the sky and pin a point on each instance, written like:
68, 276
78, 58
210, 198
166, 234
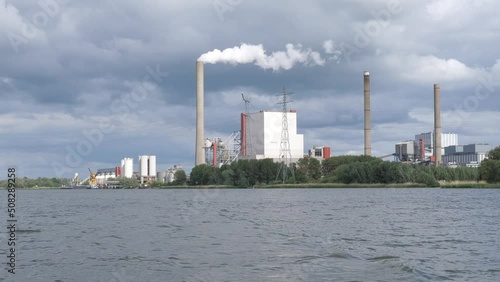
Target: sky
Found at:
84, 84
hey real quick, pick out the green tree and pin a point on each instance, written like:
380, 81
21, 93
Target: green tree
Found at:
490, 168
128, 183
203, 175
494, 154
179, 178
267, 171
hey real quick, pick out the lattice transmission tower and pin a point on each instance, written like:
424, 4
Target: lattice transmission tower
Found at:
285, 152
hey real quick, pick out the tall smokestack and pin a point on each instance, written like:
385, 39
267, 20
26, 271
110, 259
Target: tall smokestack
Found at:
200, 122
437, 124
368, 137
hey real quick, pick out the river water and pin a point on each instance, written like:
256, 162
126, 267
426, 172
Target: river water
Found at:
255, 235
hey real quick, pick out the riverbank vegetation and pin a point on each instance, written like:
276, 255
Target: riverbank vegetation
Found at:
359, 171
40, 182
339, 171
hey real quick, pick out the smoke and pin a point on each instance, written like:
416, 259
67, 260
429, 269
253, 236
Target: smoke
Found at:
330, 49
246, 54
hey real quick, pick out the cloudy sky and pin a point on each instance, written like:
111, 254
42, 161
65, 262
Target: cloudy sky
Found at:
87, 83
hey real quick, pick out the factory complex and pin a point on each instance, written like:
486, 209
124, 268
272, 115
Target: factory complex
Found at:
273, 134
421, 150
146, 173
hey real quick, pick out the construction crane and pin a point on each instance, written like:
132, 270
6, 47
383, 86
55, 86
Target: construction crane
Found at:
92, 179
75, 179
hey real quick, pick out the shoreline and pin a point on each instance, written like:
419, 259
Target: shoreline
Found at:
454, 185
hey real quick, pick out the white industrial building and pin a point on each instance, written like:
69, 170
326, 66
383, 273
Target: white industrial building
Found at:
422, 148
319, 153
127, 167
447, 139
405, 151
147, 168
466, 155
261, 134
103, 174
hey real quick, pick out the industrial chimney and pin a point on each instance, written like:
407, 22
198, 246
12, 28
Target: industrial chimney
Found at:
437, 124
200, 123
368, 138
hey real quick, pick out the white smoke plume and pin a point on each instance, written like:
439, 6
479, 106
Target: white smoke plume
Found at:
332, 51
246, 54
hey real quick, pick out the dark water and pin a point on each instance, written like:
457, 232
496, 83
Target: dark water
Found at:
256, 235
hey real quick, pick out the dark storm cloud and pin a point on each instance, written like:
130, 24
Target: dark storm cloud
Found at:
87, 56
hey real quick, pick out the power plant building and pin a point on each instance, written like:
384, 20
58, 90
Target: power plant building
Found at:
466, 155
320, 153
264, 130
422, 148
447, 139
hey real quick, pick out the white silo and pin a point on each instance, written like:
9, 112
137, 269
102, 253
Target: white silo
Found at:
143, 166
127, 165
161, 176
152, 167
129, 168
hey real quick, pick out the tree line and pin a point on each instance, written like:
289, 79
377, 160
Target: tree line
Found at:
25, 182
339, 169
342, 169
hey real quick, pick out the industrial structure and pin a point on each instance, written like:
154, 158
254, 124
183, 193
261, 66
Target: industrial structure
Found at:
466, 155
219, 152
437, 125
367, 114
104, 174
421, 149
147, 168
200, 121
266, 128
127, 168
319, 153
168, 176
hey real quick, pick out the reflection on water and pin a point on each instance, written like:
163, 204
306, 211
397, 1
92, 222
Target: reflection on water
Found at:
257, 235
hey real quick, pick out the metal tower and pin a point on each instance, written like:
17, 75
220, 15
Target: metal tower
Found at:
248, 151
285, 153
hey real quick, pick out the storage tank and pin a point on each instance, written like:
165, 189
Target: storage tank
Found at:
143, 166
161, 176
127, 168
152, 166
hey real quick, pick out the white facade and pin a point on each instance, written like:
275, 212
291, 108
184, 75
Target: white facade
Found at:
465, 159
147, 168
143, 166
265, 129
152, 166
447, 139
127, 165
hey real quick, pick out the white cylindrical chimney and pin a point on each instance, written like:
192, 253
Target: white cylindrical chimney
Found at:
200, 122
368, 137
437, 124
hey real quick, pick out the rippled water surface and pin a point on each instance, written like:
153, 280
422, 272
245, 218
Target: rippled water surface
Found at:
256, 235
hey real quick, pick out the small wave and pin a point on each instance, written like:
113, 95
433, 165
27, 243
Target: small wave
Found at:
398, 245
382, 258
354, 239
340, 255
28, 230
